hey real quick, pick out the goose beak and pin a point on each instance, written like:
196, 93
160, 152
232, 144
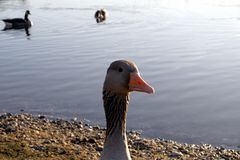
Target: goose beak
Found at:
137, 83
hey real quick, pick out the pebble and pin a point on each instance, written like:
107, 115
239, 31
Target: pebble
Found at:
91, 140
41, 116
78, 140
99, 149
61, 151
77, 151
56, 138
141, 145
10, 129
175, 154
39, 148
74, 119
46, 141
5, 115
184, 151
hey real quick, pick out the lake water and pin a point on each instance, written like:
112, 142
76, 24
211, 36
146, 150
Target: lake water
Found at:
189, 51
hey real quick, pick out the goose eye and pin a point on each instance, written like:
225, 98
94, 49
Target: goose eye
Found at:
120, 69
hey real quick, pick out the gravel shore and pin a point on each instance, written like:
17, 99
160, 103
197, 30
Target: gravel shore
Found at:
28, 137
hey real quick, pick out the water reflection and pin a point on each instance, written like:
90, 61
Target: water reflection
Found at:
26, 29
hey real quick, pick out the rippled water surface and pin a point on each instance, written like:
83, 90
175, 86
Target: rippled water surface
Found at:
188, 50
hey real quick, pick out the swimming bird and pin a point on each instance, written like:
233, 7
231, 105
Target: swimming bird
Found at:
101, 15
122, 78
18, 23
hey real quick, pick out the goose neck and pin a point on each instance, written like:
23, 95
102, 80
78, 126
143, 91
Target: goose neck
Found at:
26, 17
115, 146
115, 107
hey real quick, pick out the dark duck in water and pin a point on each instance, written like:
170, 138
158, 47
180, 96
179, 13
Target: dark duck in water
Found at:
18, 23
101, 15
122, 78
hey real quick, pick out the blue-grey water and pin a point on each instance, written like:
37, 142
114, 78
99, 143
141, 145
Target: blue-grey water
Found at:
188, 50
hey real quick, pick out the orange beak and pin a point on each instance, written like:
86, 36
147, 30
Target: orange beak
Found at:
136, 83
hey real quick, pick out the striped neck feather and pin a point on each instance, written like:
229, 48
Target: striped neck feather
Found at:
115, 107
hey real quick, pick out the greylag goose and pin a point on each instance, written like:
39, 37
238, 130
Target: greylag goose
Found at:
101, 15
122, 78
18, 23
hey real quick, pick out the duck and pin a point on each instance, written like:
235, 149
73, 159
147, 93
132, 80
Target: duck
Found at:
101, 15
18, 23
122, 78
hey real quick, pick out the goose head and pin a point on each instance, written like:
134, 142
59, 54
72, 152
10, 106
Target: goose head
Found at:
123, 77
27, 12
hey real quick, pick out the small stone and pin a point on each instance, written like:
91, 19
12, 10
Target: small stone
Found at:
99, 149
91, 140
96, 127
84, 140
77, 151
61, 151
141, 146
175, 154
184, 151
74, 119
71, 135
5, 115
10, 129
53, 141
175, 147
39, 148
46, 141
78, 140
22, 116
41, 116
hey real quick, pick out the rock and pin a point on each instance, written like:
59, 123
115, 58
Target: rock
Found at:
84, 140
99, 149
77, 151
10, 129
91, 140
61, 151
96, 127
46, 141
184, 151
175, 154
141, 146
22, 116
5, 115
74, 119
41, 116
39, 148
89, 126
78, 140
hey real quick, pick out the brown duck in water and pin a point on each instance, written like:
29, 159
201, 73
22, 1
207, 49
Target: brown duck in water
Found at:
101, 15
122, 78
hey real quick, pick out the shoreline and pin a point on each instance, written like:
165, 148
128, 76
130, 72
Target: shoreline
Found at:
25, 136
